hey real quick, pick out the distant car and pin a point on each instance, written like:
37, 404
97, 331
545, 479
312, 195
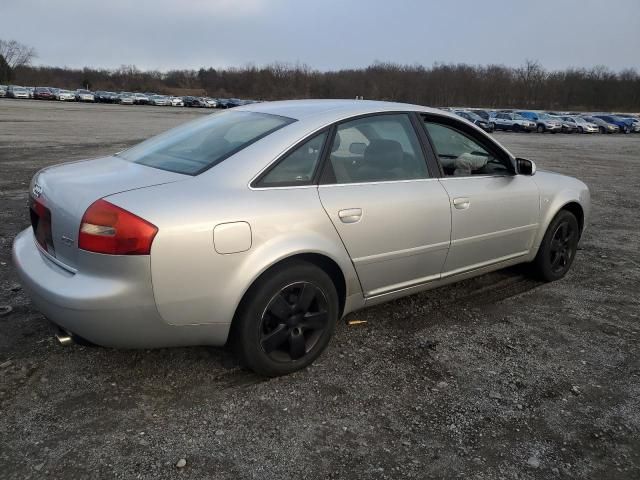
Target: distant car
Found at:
159, 100
64, 95
484, 114
222, 103
635, 123
84, 96
3, 91
140, 99
265, 225
581, 124
210, 102
105, 97
30, 90
14, 91
544, 121
623, 124
513, 122
125, 98
43, 93
603, 125
190, 101
177, 102
475, 119
568, 126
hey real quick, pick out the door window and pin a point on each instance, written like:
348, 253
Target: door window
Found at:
375, 149
461, 155
298, 167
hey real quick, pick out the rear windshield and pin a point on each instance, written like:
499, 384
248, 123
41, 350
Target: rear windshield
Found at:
199, 145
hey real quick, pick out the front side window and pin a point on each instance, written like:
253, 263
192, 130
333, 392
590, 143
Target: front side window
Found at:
196, 146
297, 167
461, 155
376, 149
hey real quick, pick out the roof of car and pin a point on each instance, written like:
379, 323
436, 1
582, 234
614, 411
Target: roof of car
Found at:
300, 109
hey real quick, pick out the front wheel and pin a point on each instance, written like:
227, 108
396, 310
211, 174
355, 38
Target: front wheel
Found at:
540, 128
558, 247
286, 320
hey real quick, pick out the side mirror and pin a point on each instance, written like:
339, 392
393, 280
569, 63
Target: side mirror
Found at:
526, 167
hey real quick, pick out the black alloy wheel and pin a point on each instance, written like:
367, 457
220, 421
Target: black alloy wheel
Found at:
558, 248
286, 318
293, 322
563, 246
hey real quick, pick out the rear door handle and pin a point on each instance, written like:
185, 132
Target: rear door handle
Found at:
350, 215
461, 203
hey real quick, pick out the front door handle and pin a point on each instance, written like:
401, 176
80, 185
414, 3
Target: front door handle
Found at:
461, 203
350, 215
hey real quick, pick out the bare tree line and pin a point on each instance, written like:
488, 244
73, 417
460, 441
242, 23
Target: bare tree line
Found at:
491, 86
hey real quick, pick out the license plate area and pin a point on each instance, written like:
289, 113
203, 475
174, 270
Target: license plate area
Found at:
41, 223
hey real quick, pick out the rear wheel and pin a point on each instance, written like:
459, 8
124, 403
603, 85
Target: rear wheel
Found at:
580, 130
287, 319
558, 247
516, 127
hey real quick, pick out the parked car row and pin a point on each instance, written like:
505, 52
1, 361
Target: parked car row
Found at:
124, 98
552, 122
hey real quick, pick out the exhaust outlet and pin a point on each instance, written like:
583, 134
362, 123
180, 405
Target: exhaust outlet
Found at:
64, 338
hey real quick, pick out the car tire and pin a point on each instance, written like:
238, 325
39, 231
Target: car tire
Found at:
516, 128
580, 130
558, 248
286, 319
492, 127
602, 130
540, 129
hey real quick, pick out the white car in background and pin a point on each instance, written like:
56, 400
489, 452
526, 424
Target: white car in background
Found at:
15, 91
176, 102
84, 96
140, 99
582, 125
159, 100
210, 102
125, 98
64, 95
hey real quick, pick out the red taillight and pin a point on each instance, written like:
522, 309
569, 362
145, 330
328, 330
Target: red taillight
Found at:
108, 229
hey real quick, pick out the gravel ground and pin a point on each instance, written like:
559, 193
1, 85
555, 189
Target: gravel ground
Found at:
495, 377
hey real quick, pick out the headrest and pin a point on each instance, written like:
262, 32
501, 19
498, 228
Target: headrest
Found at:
385, 154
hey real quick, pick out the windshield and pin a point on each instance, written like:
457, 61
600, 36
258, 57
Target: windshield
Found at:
517, 116
545, 116
199, 145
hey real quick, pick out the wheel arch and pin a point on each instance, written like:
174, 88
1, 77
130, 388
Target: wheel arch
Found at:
321, 260
576, 209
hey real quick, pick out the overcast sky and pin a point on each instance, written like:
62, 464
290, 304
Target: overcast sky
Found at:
324, 34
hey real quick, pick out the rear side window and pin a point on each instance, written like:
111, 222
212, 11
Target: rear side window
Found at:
298, 167
199, 145
376, 149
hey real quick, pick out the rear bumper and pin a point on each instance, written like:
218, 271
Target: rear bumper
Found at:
111, 304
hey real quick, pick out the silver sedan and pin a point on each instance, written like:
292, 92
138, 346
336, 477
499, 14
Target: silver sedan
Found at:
263, 225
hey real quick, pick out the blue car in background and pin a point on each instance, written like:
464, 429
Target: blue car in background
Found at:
625, 125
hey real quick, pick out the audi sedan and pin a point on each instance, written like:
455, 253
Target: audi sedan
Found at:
264, 225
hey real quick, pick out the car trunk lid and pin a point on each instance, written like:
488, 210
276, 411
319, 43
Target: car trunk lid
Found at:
61, 194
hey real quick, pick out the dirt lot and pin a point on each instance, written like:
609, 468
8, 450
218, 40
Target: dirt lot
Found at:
496, 377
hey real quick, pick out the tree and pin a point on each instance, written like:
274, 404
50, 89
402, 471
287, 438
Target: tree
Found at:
16, 54
5, 71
